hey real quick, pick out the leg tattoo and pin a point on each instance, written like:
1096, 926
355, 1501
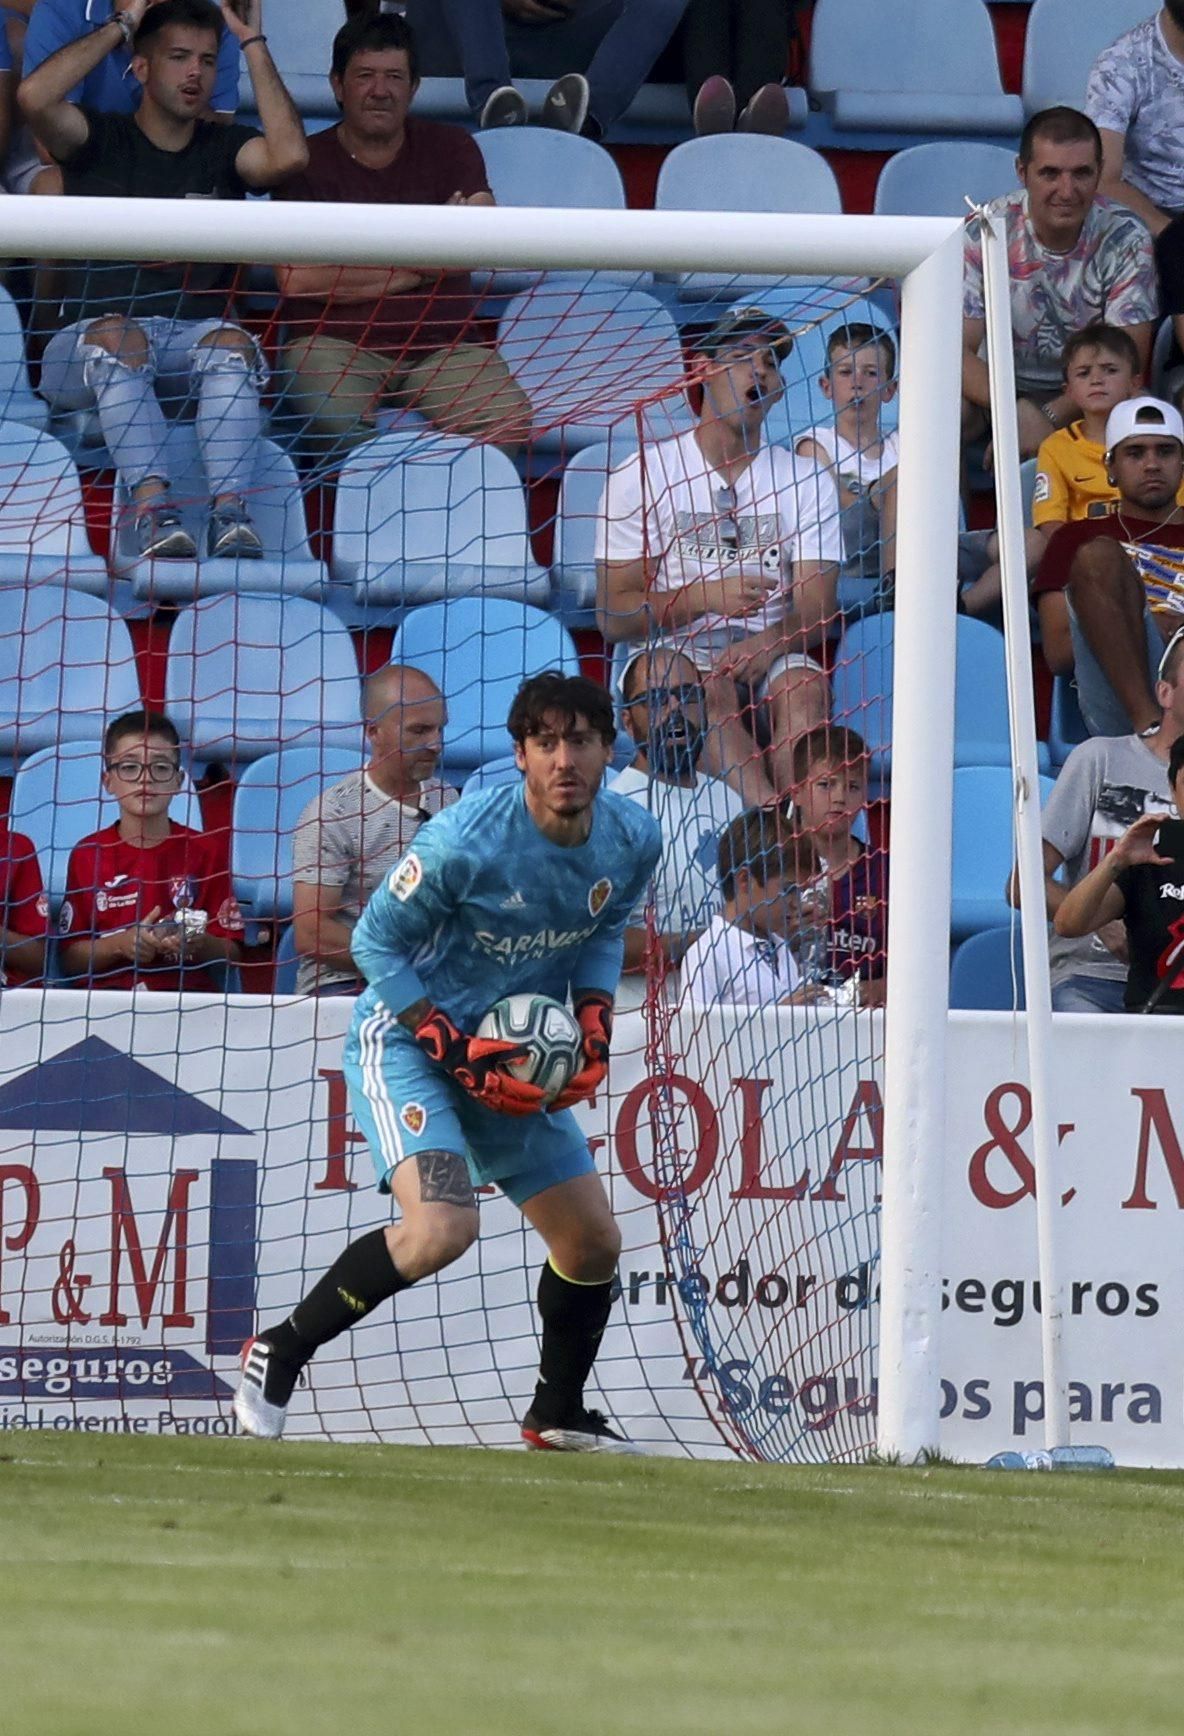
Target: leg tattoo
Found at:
444, 1180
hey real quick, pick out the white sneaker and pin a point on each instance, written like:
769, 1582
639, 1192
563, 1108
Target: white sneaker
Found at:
264, 1388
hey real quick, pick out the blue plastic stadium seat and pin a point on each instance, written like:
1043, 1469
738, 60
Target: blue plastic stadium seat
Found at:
862, 687
1062, 41
922, 66
539, 167
268, 801
987, 971
42, 520
277, 509
936, 180
1066, 726
478, 651
422, 517
573, 562
742, 172
66, 667
812, 317
594, 358
249, 675
18, 401
58, 798
984, 847
300, 37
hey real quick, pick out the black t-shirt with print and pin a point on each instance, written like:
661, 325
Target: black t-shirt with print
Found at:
1154, 918
119, 161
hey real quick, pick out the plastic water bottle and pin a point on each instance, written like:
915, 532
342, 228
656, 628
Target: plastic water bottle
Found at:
1082, 1459
1013, 1461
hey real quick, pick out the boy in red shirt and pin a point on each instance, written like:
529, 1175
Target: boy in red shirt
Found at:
24, 911
147, 902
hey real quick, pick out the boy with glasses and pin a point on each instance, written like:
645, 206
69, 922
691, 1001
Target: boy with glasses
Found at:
148, 904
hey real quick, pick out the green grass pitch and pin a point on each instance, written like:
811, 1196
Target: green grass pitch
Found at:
187, 1588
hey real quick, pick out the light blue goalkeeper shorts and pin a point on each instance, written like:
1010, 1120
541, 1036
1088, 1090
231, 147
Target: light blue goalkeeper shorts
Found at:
405, 1105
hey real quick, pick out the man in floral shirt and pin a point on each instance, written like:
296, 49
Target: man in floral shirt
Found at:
1074, 257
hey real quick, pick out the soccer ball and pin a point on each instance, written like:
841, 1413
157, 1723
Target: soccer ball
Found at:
547, 1030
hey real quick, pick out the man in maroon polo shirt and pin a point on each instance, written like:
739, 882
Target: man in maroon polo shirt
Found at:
363, 338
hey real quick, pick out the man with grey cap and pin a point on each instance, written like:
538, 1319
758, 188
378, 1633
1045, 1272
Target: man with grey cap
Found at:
348, 839
713, 540
1121, 574
664, 709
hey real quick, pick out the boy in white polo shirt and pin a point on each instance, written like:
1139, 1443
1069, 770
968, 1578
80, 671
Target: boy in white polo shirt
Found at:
745, 955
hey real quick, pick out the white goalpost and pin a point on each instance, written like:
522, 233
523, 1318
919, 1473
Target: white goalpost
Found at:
925, 257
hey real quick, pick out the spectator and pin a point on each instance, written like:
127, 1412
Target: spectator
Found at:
1140, 882
860, 379
745, 954
830, 778
147, 903
1135, 98
369, 336
797, 699
1074, 257
1110, 590
350, 837
1105, 785
721, 544
112, 86
665, 713
24, 911
1100, 366
615, 42
736, 53
129, 326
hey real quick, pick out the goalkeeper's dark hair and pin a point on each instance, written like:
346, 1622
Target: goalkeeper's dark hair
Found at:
374, 32
138, 725
197, 14
763, 843
570, 696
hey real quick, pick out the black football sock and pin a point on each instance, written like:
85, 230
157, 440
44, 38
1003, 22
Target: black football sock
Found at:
574, 1317
357, 1281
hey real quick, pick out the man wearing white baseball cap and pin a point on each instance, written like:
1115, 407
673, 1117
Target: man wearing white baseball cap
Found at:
1122, 574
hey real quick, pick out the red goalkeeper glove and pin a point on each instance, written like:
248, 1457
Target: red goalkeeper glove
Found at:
594, 1015
477, 1064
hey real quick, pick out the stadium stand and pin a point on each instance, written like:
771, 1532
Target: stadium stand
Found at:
573, 563
742, 172
269, 798
987, 971
935, 180
58, 798
287, 566
18, 401
301, 41
922, 65
564, 170
420, 518
984, 846
587, 356
516, 641
1066, 727
1062, 41
249, 675
66, 663
43, 532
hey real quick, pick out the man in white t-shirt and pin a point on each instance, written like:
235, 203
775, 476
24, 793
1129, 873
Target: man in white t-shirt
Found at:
1135, 98
664, 709
349, 838
744, 956
713, 540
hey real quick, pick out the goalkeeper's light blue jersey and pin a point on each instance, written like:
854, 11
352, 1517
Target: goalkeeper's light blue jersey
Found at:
483, 905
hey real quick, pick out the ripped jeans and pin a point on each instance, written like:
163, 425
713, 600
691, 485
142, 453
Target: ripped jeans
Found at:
77, 375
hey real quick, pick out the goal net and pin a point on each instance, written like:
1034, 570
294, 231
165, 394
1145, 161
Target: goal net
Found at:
669, 457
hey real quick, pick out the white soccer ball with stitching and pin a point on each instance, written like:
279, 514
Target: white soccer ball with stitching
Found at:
544, 1027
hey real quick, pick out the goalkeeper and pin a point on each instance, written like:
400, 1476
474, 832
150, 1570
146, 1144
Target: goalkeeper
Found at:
522, 889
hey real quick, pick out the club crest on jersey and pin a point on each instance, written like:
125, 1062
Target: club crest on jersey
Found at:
183, 891
414, 1118
599, 896
405, 877
65, 917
